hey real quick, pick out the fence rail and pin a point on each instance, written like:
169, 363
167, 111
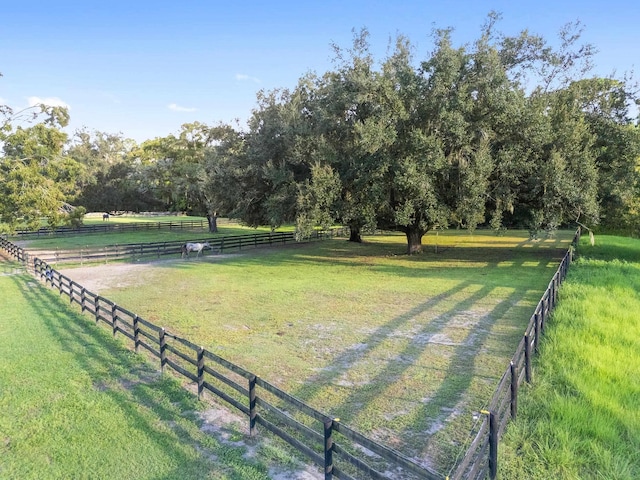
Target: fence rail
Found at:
225, 244
324, 440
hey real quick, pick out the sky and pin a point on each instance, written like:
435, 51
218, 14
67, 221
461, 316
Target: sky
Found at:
143, 68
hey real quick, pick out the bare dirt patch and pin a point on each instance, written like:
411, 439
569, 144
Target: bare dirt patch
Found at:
99, 277
222, 423
102, 277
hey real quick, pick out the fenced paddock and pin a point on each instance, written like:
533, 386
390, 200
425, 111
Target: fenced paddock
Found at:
326, 441
154, 250
333, 446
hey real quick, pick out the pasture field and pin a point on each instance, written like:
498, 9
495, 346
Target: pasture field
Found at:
226, 228
76, 404
92, 218
405, 349
580, 419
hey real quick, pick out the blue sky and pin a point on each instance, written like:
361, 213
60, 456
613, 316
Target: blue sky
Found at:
145, 68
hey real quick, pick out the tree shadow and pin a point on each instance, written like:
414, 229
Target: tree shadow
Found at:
335, 370
446, 397
156, 406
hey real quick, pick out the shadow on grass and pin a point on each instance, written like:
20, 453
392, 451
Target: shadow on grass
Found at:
458, 261
152, 403
454, 379
332, 372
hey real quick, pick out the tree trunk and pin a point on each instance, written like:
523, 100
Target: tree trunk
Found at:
212, 219
354, 235
414, 239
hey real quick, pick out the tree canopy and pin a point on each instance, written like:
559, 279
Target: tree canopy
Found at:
35, 176
507, 131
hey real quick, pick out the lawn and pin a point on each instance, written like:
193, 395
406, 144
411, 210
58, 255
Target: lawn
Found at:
581, 417
405, 349
75, 404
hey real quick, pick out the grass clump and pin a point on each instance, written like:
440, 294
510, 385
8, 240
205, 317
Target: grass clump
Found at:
581, 417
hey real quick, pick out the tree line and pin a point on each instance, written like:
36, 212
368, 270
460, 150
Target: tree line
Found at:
507, 131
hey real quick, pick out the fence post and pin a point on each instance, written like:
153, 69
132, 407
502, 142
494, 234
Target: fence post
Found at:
252, 406
163, 349
136, 333
114, 319
96, 306
527, 357
200, 366
537, 331
514, 390
493, 445
328, 449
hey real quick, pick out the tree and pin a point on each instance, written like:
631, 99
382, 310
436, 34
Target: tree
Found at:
180, 169
455, 139
343, 115
223, 187
35, 177
561, 186
439, 164
605, 104
274, 161
421, 137
108, 179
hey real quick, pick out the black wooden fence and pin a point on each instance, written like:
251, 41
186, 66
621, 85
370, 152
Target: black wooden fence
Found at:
324, 440
481, 458
138, 251
108, 227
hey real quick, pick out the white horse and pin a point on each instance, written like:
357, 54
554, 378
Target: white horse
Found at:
193, 247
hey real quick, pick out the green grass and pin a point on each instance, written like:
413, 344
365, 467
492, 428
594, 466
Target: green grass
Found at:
581, 417
75, 404
405, 349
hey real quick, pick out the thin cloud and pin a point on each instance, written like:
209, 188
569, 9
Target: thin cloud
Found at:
177, 108
246, 78
49, 101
